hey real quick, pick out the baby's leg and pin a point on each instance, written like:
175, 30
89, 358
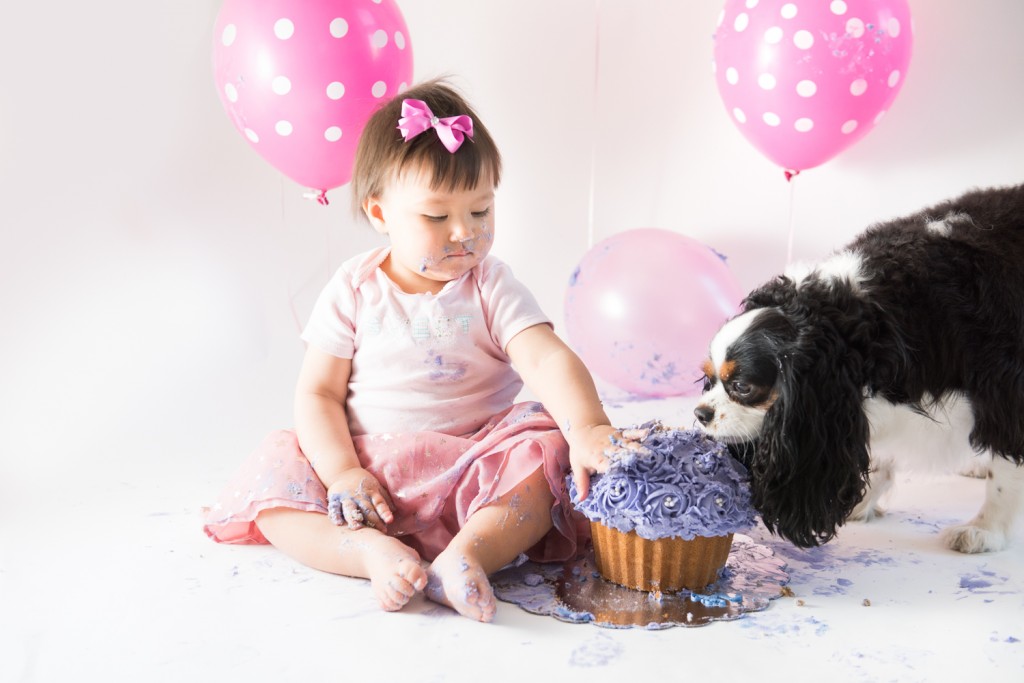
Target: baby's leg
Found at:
393, 568
494, 536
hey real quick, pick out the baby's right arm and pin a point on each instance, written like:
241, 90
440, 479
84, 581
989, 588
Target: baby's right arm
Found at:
354, 495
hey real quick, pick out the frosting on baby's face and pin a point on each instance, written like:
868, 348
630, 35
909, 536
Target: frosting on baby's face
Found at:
437, 234
669, 483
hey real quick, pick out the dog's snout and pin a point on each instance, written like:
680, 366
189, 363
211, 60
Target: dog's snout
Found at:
704, 414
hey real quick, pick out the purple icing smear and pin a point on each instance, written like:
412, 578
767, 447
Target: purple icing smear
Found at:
575, 593
666, 482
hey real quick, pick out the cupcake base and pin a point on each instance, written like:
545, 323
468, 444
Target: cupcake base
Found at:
665, 564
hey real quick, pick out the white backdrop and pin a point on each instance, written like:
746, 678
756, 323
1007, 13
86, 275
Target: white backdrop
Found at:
155, 270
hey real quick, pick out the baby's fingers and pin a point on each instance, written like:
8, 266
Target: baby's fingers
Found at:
375, 510
581, 477
334, 512
382, 507
353, 515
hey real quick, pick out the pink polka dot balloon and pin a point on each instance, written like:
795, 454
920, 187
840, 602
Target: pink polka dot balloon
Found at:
805, 79
300, 79
642, 307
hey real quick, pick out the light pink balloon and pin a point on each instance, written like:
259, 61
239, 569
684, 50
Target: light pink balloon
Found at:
300, 79
642, 307
805, 79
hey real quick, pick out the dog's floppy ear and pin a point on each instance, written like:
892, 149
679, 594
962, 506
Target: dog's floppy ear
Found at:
780, 292
809, 468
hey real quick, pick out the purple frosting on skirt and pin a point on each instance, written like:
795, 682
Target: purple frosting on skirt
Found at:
669, 483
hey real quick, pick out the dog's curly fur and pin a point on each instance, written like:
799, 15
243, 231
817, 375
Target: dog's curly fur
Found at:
915, 312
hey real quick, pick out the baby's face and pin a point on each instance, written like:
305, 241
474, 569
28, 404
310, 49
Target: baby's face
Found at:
436, 236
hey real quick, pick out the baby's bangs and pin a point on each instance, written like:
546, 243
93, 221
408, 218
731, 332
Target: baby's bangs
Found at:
449, 172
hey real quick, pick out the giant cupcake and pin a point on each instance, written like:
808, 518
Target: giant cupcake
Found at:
664, 514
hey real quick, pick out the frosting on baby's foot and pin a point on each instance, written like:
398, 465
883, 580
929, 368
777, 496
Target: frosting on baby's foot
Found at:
395, 573
461, 583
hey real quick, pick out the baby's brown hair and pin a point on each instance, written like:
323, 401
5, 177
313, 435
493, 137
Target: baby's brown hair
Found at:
382, 153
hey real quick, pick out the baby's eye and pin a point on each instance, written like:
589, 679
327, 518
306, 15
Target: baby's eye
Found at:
482, 214
436, 219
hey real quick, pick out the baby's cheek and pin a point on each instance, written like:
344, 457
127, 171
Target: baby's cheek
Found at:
486, 238
484, 242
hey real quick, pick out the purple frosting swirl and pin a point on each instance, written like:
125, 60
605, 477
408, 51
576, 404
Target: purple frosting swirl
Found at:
677, 483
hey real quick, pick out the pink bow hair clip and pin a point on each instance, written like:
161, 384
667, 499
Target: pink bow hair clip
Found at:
417, 117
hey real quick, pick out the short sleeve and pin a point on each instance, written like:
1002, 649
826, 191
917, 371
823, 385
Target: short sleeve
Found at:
509, 306
331, 327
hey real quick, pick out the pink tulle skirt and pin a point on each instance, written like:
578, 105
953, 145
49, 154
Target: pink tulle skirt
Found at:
436, 481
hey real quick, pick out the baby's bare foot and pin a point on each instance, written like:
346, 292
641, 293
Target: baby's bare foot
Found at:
394, 570
461, 583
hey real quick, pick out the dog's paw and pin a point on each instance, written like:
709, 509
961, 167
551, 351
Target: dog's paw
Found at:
865, 512
967, 538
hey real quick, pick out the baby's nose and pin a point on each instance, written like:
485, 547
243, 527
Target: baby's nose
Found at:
460, 232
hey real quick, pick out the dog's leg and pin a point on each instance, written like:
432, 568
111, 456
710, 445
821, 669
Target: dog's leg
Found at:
884, 418
880, 480
990, 529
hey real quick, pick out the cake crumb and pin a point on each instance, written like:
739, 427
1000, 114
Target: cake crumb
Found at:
800, 603
866, 603
787, 592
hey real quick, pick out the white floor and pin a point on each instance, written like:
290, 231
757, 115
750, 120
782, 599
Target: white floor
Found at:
114, 580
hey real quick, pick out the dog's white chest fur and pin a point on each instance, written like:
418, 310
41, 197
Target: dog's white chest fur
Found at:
936, 440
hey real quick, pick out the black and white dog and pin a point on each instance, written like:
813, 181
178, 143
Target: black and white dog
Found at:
910, 342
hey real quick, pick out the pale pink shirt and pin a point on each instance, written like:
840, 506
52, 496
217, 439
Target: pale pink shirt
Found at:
423, 362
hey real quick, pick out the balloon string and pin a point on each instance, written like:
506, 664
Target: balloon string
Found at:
287, 275
327, 250
592, 194
790, 176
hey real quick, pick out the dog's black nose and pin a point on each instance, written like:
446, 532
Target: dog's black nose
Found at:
704, 414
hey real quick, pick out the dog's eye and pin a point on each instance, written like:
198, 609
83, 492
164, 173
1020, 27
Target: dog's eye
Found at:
707, 384
741, 389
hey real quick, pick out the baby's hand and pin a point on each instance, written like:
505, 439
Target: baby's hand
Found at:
356, 498
587, 454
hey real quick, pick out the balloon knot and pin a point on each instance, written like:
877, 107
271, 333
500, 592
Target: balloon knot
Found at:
791, 174
319, 195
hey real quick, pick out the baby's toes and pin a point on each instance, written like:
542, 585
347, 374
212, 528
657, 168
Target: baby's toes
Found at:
390, 599
476, 600
409, 578
413, 573
485, 602
399, 592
